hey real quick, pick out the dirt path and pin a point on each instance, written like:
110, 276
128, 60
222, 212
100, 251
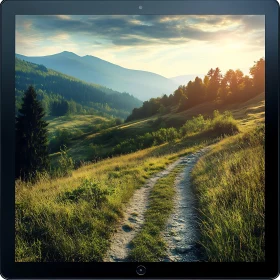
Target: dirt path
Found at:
134, 218
181, 232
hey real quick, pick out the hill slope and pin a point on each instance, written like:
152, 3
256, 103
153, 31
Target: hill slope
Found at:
141, 84
54, 83
248, 114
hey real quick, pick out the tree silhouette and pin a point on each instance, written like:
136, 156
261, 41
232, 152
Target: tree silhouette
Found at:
258, 74
31, 137
231, 88
195, 92
215, 78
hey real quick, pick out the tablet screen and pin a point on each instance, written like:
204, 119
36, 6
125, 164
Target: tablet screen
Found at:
140, 138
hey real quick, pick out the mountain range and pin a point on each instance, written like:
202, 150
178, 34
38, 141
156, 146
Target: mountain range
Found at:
55, 86
141, 84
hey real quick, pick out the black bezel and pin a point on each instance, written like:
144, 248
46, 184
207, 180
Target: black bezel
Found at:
10, 269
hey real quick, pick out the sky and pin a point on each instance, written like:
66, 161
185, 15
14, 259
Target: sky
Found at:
167, 45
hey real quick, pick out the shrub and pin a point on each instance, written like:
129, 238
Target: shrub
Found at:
197, 124
146, 140
171, 134
223, 124
165, 135
219, 125
65, 164
127, 146
224, 127
89, 191
94, 150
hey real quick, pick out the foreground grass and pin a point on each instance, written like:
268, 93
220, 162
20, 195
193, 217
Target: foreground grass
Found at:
230, 184
71, 220
148, 245
57, 221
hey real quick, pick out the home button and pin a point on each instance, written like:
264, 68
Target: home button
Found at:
141, 270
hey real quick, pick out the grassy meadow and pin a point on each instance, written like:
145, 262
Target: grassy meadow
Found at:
50, 227
72, 218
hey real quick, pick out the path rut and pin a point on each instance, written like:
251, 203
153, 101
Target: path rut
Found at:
134, 215
182, 234
183, 220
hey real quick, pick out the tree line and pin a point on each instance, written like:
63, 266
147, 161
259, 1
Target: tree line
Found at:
232, 87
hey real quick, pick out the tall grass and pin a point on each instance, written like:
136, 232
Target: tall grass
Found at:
71, 220
230, 183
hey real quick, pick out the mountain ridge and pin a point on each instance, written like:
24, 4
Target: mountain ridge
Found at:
50, 82
142, 84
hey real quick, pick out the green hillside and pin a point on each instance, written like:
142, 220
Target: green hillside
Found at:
223, 90
71, 212
104, 143
56, 220
54, 88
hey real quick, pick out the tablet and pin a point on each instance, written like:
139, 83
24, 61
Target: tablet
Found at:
139, 139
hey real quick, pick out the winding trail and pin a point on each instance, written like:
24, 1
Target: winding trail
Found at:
181, 233
182, 221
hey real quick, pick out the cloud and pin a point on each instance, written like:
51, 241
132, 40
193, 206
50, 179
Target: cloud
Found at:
186, 43
147, 29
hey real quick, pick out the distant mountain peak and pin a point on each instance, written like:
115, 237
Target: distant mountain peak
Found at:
68, 54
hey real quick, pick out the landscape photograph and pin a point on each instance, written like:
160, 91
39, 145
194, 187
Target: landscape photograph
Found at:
140, 138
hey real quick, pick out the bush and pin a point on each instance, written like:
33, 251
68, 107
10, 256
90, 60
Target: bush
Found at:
197, 124
65, 164
94, 150
146, 140
219, 125
223, 124
165, 135
128, 146
171, 134
224, 127
89, 191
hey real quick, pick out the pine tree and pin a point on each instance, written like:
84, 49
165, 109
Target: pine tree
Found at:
31, 137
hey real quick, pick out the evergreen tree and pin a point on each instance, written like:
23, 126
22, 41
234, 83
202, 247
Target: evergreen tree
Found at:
195, 92
215, 78
31, 137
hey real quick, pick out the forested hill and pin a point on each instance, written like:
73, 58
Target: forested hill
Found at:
232, 87
70, 94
